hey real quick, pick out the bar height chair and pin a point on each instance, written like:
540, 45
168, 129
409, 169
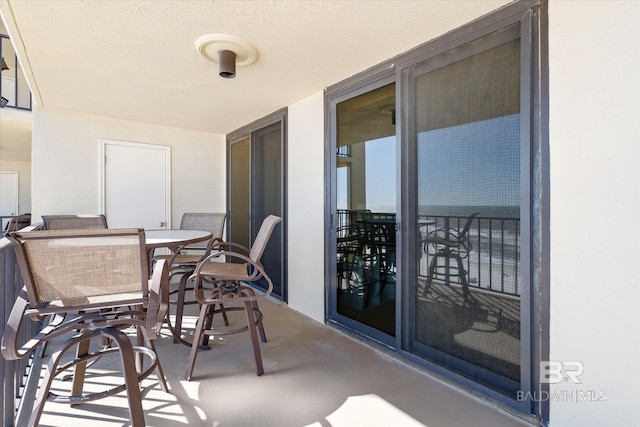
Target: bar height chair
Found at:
74, 222
183, 262
231, 291
94, 284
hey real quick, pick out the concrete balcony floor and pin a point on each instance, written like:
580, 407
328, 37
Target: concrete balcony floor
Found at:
314, 376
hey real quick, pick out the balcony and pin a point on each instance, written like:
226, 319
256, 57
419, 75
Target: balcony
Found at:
13, 85
315, 375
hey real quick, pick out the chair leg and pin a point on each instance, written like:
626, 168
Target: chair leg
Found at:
125, 347
263, 336
134, 396
80, 369
159, 371
200, 326
45, 385
209, 322
462, 273
431, 271
251, 322
180, 306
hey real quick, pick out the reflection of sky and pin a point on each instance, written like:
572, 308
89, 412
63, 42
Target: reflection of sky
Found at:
475, 164
380, 157
380, 177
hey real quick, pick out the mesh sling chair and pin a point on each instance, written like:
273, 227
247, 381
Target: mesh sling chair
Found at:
231, 291
74, 222
183, 262
94, 284
449, 243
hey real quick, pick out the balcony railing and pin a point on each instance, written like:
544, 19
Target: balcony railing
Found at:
14, 372
13, 85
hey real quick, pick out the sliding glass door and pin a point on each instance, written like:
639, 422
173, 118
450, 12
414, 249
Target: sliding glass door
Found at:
256, 189
365, 210
434, 210
464, 294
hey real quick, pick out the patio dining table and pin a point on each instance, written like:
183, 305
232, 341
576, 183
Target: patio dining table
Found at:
174, 239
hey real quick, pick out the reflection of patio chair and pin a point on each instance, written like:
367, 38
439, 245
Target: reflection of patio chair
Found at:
349, 245
449, 243
95, 283
379, 235
183, 264
231, 291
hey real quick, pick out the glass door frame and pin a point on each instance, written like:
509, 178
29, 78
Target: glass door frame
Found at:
250, 132
375, 81
408, 72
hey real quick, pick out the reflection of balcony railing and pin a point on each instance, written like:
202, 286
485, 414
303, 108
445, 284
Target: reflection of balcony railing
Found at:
493, 262
13, 85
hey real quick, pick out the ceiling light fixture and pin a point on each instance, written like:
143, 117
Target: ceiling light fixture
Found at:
4, 65
227, 64
227, 51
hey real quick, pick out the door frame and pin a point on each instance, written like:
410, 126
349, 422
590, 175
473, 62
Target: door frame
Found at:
533, 16
248, 132
16, 201
370, 83
103, 178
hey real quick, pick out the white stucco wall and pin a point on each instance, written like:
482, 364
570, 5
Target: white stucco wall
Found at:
306, 206
65, 155
595, 207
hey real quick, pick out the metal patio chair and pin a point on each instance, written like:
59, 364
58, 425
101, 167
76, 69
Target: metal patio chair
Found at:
231, 291
183, 262
91, 284
77, 222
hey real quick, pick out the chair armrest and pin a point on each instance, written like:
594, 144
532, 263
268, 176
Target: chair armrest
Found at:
158, 299
225, 246
257, 273
10, 348
443, 236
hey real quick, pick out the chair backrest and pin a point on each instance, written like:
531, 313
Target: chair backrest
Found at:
81, 268
74, 222
262, 238
18, 222
211, 222
467, 225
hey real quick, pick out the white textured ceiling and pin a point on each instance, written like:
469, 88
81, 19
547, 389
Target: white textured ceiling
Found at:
137, 60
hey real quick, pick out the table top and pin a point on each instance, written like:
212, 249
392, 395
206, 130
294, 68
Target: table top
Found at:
163, 238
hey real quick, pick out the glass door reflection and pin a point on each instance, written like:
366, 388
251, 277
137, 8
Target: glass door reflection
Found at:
366, 209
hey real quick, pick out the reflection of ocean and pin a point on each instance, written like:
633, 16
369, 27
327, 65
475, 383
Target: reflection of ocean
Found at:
507, 212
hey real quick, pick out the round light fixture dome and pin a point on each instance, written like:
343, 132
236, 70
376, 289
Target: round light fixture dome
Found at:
209, 46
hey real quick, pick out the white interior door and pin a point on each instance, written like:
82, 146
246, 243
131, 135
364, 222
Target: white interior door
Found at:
8, 195
136, 184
